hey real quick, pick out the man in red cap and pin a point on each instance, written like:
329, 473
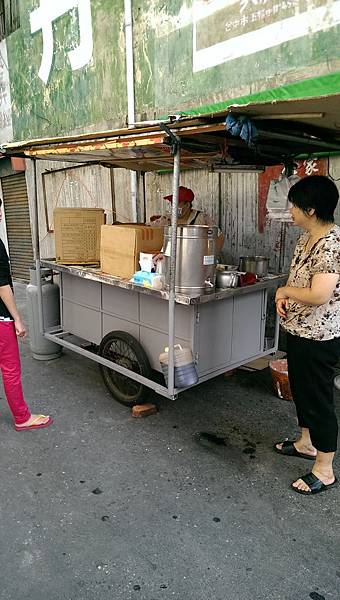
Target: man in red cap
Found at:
186, 214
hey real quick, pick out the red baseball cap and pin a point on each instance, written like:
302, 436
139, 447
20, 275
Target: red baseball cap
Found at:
184, 195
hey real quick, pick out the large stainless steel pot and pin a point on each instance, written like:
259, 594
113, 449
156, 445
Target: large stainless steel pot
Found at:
254, 264
196, 258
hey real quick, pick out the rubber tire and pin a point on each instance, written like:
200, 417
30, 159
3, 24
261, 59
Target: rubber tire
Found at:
141, 358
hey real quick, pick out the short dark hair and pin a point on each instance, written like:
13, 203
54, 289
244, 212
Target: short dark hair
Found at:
318, 192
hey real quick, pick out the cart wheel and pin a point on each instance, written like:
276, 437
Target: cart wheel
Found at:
122, 348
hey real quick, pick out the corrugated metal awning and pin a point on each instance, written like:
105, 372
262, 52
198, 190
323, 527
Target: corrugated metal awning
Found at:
141, 148
320, 111
286, 129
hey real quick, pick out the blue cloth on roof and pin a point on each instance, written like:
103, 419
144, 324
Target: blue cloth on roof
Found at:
242, 127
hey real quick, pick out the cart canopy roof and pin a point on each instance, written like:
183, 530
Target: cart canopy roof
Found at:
257, 134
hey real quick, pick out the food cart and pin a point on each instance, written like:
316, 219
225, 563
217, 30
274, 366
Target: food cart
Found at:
126, 324
224, 329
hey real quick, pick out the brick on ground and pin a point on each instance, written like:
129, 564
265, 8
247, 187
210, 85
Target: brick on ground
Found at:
144, 410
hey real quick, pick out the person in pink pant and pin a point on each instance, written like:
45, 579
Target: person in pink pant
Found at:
11, 327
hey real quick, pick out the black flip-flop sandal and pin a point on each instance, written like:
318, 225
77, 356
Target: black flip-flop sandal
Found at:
288, 449
315, 485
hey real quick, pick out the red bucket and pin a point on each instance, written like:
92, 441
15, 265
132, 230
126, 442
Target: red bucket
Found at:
279, 371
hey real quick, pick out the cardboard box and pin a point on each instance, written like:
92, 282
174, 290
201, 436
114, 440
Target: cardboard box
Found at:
121, 245
77, 235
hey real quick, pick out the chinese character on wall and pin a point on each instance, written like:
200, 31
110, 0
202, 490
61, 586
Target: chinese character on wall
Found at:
42, 18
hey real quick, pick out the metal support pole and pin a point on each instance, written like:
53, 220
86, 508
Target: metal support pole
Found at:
130, 82
283, 235
139, 217
36, 247
144, 197
220, 200
277, 331
173, 256
288, 171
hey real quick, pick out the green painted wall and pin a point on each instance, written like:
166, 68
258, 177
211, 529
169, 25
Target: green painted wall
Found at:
92, 95
233, 59
164, 55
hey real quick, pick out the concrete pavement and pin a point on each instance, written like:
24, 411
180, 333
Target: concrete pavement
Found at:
104, 506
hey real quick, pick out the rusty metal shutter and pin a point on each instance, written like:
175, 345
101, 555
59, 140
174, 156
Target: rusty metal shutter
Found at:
18, 226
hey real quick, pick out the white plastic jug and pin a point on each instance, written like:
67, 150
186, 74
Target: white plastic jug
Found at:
185, 369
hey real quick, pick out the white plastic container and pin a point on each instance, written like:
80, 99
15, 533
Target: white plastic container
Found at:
185, 369
146, 262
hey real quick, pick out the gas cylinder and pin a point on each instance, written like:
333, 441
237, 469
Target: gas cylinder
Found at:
42, 348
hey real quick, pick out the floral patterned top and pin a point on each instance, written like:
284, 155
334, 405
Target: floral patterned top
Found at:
305, 320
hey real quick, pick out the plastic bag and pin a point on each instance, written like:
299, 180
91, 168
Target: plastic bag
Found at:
278, 205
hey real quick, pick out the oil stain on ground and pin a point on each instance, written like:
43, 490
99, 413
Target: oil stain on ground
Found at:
209, 439
316, 596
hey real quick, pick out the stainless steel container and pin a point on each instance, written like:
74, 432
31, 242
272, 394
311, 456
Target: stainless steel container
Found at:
196, 258
226, 279
254, 264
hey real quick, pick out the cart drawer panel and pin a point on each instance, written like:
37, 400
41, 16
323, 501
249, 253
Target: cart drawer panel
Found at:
123, 303
154, 342
111, 323
82, 321
214, 335
154, 312
83, 291
248, 329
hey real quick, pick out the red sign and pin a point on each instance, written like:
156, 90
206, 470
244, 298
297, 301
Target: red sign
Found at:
305, 168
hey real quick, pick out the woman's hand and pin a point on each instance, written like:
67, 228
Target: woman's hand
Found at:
20, 329
282, 307
281, 294
281, 301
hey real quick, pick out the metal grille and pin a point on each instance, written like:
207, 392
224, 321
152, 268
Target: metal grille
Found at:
2, 19
9, 17
18, 225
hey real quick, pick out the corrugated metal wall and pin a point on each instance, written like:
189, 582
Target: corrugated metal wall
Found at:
18, 226
230, 199
9, 17
88, 186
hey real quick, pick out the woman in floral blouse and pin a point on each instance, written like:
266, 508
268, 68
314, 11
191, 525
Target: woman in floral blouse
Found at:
309, 307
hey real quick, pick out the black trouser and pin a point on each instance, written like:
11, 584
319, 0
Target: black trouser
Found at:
311, 372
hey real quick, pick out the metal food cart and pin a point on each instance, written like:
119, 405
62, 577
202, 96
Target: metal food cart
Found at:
224, 329
129, 325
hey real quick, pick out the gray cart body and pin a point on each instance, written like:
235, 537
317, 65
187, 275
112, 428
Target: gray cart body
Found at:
224, 329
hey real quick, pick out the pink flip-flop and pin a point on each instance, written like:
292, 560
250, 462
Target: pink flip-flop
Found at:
34, 424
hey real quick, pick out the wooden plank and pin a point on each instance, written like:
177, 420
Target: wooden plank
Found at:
262, 363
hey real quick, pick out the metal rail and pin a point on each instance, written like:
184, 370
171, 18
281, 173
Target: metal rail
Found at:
56, 335
160, 389
184, 299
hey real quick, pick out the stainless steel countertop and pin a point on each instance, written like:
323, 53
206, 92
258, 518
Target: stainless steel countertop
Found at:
95, 274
